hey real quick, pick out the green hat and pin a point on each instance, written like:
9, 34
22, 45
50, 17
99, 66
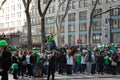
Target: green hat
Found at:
100, 46
14, 48
35, 50
3, 43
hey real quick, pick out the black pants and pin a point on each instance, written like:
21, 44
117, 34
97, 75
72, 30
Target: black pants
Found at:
51, 70
21, 70
93, 69
100, 68
69, 69
4, 75
30, 69
15, 73
113, 70
83, 66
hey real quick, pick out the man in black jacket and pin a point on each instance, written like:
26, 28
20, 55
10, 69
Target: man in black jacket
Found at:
5, 58
51, 66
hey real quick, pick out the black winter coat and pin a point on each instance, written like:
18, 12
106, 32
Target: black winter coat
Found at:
5, 60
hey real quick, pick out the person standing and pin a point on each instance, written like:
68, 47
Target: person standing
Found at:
88, 60
51, 66
5, 59
15, 66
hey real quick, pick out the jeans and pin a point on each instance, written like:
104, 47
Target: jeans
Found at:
78, 67
88, 67
37, 66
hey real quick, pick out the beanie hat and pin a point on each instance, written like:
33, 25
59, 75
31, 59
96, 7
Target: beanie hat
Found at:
3, 43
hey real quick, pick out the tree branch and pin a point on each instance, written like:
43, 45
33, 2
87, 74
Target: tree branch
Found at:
47, 6
27, 5
2, 3
39, 8
118, 7
58, 11
94, 8
66, 11
24, 3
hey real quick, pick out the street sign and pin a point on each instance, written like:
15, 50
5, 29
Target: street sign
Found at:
78, 41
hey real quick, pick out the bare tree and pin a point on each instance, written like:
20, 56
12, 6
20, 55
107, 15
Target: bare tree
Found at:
91, 20
42, 16
59, 22
29, 34
2, 3
111, 8
90, 25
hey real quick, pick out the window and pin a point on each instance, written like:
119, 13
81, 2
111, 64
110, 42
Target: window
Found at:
50, 20
83, 3
115, 12
83, 37
73, 5
53, 0
70, 5
97, 38
60, 17
53, 9
13, 15
18, 22
96, 12
7, 24
7, 17
97, 25
71, 17
19, 14
13, 8
71, 28
108, 1
116, 37
50, 10
63, 7
83, 15
50, 30
115, 23
83, 26
19, 6
94, 1
12, 23
71, 39
45, 1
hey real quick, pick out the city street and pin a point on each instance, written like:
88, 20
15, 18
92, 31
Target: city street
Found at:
76, 77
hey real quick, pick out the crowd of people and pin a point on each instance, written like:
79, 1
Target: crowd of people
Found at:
66, 60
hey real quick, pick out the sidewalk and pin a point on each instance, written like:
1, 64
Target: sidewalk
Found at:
75, 77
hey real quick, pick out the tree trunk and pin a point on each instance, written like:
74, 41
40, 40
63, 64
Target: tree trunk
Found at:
90, 25
90, 33
29, 35
43, 33
58, 25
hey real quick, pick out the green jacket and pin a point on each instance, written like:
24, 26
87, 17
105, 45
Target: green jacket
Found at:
107, 60
78, 58
37, 55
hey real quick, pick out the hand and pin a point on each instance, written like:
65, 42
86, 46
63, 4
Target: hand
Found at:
1, 70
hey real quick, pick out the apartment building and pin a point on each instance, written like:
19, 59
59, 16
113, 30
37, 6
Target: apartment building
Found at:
105, 27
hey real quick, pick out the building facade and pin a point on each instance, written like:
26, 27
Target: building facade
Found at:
105, 27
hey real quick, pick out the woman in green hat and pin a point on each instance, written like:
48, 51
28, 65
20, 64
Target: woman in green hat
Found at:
5, 58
